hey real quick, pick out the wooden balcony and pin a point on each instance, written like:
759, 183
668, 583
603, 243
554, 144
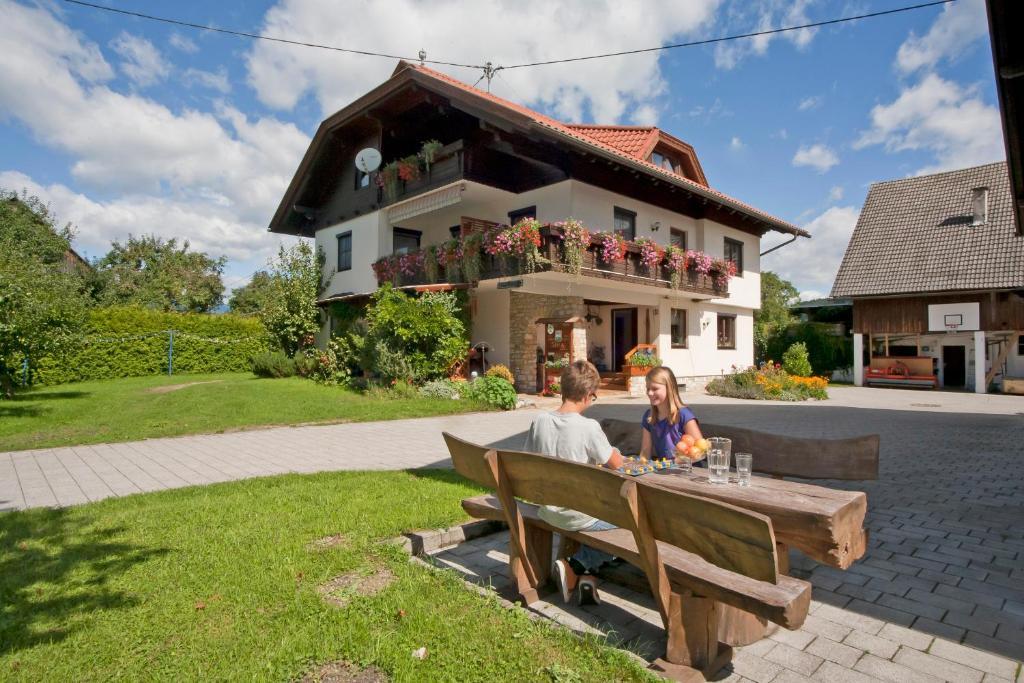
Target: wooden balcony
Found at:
448, 166
629, 270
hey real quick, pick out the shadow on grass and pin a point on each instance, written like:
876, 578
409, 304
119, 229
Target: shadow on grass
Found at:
7, 409
51, 395
55, 569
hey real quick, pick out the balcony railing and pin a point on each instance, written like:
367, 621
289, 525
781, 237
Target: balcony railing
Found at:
407, 269
448, 166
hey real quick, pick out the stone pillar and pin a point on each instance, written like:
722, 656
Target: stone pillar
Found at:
979, 362
524, 310
858, 359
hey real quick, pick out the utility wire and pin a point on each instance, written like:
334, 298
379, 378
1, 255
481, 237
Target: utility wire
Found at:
722, 39
256, 36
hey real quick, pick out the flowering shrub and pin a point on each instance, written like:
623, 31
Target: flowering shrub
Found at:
471, 260
409, 168
613, 246
769, 381
502, 371
575, 240
651, 254
552, 389
385, 269
410, 263
723, 271
521, 240
431, 267
698, 261
675, 263
449, 255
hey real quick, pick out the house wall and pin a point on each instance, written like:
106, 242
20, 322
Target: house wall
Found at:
702, 360
490, 323
1000, 311
365, 249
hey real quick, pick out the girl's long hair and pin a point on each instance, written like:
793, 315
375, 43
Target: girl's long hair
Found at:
664, 375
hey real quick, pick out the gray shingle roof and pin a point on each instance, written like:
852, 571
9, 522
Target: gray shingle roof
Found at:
915, 235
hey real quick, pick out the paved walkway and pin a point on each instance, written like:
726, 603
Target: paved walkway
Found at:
940, 594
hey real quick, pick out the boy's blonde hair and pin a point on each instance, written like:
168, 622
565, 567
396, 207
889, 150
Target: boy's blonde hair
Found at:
664, 375
579, 380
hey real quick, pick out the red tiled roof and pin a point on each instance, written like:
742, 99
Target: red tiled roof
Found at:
568, 130
633, 140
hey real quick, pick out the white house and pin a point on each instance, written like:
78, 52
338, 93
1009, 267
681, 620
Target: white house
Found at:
496, 162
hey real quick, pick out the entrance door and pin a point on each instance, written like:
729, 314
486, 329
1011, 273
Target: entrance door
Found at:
954, 366
623, 335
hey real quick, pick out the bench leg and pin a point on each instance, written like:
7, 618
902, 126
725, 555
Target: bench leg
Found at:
538, 550
693, 651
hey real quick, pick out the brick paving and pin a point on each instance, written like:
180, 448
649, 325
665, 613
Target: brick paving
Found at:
940, 593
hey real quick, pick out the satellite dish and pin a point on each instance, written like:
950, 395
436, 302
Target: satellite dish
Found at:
368, 160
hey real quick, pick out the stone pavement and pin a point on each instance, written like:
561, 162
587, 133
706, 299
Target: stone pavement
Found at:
946, 557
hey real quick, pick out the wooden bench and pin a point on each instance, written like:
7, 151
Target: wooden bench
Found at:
697, 554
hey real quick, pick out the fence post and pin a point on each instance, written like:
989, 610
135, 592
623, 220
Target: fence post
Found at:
170, 353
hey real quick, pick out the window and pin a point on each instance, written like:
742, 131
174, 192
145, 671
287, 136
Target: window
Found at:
345, 251
979, 205
519, 214
456, 231
665, 162
362, 179
677, 238
726, 331
625, 223
1020, 346
678, 328
734, 253
406, 240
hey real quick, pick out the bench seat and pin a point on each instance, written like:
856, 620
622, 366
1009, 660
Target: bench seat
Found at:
785, 603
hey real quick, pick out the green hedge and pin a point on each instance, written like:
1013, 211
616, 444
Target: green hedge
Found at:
133, 342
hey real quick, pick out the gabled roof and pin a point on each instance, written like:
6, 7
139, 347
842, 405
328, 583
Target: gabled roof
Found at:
636, 141
454, 88
915, 235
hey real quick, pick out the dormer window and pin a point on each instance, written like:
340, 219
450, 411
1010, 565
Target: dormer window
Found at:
979, 205
664, 161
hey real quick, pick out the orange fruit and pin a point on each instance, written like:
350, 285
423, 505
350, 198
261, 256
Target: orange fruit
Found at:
688, 440
694, 452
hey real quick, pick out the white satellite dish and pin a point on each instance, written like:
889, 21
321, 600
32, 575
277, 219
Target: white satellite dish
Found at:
368, 160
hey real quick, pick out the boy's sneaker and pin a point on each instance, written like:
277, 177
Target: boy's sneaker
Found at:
588, 591
566, 579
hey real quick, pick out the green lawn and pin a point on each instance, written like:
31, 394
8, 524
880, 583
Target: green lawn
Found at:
134, 408
217, 583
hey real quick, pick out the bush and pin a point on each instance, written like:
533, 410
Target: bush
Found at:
390, 392
306, 363
326, 366
273, 364
826, 350
501, 371
795, 360
493, 391
768, 382
442, 388
127, 341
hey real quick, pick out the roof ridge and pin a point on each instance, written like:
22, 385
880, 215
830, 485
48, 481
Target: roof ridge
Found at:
939, 173
609, 125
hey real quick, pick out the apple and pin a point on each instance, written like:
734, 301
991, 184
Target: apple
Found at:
703, 445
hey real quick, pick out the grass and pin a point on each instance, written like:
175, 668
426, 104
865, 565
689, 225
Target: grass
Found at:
130, 409
217, 583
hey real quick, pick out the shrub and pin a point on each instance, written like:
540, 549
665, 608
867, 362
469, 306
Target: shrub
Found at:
393, 391
325, 366
795, 360
493, 391
501, 371
273, 364
768, 381
441, 388
305, 363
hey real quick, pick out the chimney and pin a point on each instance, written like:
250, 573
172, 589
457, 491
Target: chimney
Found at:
979, 205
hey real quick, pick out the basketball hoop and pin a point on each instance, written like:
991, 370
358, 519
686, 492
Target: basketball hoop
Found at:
952, 327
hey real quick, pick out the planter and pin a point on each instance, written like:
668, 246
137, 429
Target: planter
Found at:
639, 370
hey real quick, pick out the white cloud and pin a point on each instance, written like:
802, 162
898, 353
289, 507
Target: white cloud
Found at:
941, 117
810, 102
142, 62
713, 111
183, 43
812, 264
736, 144
763, 15
835, 194
645, 115
959, 25
817, 156
207, 79
504, 33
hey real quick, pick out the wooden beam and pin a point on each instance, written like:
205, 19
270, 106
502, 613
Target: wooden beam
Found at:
991, 374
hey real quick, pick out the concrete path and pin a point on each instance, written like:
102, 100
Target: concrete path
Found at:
939, 596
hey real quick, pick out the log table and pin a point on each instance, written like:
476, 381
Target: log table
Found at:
826, 524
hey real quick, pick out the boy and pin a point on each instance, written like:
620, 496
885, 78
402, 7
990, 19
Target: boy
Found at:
566, 434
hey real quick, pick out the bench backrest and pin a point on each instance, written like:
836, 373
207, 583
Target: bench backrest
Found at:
727, 536
787, 456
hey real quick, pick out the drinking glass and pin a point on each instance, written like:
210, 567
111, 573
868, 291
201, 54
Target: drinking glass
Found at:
718, 460
744, 463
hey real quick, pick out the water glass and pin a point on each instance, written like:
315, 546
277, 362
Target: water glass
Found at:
744, 464
718, 460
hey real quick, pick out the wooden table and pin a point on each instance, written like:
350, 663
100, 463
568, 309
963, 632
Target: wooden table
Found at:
826, 524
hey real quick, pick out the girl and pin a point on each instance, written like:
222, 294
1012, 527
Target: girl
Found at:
667, 420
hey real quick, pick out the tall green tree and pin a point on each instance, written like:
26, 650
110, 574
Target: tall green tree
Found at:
150, 272
42, 300
251, 298
777, 295
289, 312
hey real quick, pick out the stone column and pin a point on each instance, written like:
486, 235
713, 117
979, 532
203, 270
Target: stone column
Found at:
858, 359
979, 362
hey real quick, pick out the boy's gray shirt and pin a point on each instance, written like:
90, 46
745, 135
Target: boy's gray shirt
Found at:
568, 436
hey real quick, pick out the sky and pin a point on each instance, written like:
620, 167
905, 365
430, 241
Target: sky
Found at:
130, 127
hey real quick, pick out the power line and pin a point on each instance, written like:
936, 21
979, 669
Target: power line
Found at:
722, 39
256, 36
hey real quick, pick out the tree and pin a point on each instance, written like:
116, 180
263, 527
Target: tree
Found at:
147, 271
289, 312
251, 298
777, 295
42, 300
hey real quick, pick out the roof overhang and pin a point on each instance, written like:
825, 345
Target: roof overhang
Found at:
1005, 17
349, 297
